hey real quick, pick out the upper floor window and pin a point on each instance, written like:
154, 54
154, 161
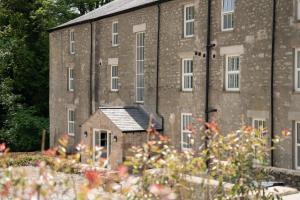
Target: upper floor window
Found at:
227, 14
115, 34
187, 75
232, 73
71, 122
140, 64
71, 79
186, 133
189, 20
72, 42
114, 78
297, 70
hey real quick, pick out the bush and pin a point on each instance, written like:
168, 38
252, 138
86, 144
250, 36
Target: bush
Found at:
225, 167
23, 130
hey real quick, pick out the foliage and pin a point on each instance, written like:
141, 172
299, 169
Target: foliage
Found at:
224, 168
229, 159
85, 6
24, 61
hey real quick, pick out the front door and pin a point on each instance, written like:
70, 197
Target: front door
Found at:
101, 146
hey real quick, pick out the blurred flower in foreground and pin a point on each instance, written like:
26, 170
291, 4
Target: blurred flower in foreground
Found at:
94, 178
285, 132
165, 193
122, 171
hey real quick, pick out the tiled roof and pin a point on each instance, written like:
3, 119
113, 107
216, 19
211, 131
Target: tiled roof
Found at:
113, 7
129, 119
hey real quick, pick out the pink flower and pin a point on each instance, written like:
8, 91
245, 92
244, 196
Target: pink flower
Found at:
2, 147
50, 152
93, 177
122, 171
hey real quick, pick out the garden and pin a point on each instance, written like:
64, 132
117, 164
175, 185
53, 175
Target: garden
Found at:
225, 166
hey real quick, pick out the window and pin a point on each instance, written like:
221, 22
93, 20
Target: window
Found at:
297, 70
189, 19
232, 73
227, 14
71, 79
187, 75
297, 154
71, 122
260, 124
140, 59
186, 133
72, 42
114, 78
115, 34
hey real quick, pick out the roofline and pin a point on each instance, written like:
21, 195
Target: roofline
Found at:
109, 15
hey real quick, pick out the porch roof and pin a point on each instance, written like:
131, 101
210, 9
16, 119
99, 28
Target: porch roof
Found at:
130, 119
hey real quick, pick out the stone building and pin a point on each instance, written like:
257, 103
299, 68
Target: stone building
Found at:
173, 61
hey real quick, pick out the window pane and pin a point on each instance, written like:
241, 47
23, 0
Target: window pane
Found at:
97, 139
228, 5
140, 67
103, 140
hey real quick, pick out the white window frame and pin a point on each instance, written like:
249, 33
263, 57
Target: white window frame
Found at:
72, 41
114, 34
223, 13
297, 70
116, 78
296, 145
71, 122
259, 120
71, 80
140, 74
188, 21
232, 72
187, 74
183, 131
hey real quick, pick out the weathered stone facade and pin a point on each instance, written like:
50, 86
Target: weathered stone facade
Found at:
251, 39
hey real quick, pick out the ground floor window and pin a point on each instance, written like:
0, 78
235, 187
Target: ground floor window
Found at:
186, 133
71, 122
259, 124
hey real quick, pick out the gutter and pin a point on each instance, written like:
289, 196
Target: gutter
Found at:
272, 78
107, 16
158, 63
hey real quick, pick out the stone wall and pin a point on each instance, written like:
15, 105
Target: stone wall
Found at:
251, 38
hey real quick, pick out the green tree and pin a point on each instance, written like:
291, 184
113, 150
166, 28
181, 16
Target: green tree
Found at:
84, 6
24, 68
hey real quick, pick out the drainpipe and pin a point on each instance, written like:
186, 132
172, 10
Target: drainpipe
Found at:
91, 73
158, 63
272, 78
208, 52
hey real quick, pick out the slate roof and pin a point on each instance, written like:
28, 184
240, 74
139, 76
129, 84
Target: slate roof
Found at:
129, 119
111, 8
